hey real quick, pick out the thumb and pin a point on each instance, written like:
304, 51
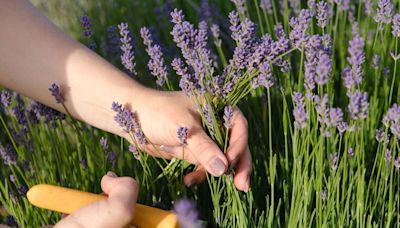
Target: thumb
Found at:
207, 153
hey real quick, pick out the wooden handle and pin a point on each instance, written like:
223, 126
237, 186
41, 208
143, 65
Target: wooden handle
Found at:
66, 200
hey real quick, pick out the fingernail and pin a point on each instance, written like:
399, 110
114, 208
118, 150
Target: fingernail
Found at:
167, 149
111, 174
217, 167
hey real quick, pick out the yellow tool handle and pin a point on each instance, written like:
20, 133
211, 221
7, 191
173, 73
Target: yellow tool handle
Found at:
66, 200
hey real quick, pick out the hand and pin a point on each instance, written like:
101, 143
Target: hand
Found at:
117, 211
164, 112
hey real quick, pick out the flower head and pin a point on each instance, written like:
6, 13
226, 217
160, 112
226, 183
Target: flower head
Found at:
322, 14
8, 155
334, 159
359, 105
127, 56
396, 25
228, 115
56, 93
384, 12
182, 135
187, 213
300, 113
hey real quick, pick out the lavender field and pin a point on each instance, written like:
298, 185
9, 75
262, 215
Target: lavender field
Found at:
316, 80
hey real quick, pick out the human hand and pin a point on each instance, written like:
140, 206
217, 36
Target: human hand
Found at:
163, 113
116, 211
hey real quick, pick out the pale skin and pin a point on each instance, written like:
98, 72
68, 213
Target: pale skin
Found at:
35, 54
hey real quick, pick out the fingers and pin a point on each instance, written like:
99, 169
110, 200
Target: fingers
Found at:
206, 152
116, 211
195, 177
243, 171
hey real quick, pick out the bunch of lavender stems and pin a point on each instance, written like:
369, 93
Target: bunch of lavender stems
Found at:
317, 81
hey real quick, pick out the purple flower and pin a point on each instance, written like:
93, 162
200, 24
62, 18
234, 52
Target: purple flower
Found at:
266, 5
323, 68
322, 14
342, 127
22, 190
56, 93
12, 178
388, 156
127, 57
134, 150
112, 158
358, 106
396, 25
182, 135
350, 152
87, 26
240, 5
324, 194
334, 160
397, 163
279, 31
381, 136
322, 108
265, 76
311, 6
336, 117
300, 25
208, 116
83, 163
39, 111
8, 155
216, 34
113, 40
228, 115
295, 6
300, 113
312, 48
187, 213
125, 118
10, 221
5, 98
156, 63
392, 120
187, 82
384, 13
104, 143
368, 10
376, 62
139, 135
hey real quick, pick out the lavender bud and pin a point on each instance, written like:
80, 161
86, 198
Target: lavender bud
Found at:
127, 56
134, 150
8, 155
336, 117
5, 98
397, 163
125, 118
368, 10
228, 115
324, 194
396, 25
334, 159
384, 13
266, 5
392, 120
388, 156
350, 152
87, 26
56, 93
322, 14
187, 213
358, 106
323, 68
381, 136
300, 113
342, 127
139, 135
112, 158
182, 135
376, 62
104, 143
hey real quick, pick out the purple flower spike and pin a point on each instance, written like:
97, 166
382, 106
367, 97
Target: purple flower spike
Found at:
125, 118
397, 163
384, 13
396, 25
8, 155
350, 152
104, 143
388, 156
228, 115
300, 113
134, 150
322, 14
156, 63
87, 26
336, 117
334, 159
266, 5
56, 93
182, 135
392, 120
323, 69
300, 25
127, 57
324, 194
265, 77
187, 213
5, 98
358, 106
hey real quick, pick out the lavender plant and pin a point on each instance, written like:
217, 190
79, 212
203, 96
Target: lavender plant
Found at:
317, 81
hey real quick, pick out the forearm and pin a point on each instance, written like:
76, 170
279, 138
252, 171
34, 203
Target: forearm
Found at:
35, 54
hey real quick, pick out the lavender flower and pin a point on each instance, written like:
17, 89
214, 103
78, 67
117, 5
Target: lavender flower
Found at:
396, 25
228, 115
388, 156
22, 190
187, 82
295, 6
41, 111
216, 35
368, 10
10, 221
350, 152
125, 118
240, 5
265, 77
323, 69
56, 93
8, 155
381, 136
113, 40
127, 57
392, 120
334, 160
187, 213
312, 6
353, 77
279, 31
342, 127
87, 26
5, 98
376, 62
300, 113
104, 143
322, 14
156, 63
358, 106
322, 108
139, 135
83, 163
12, 178
266, 5
324, 194
397, 163
336, 117
112, 158
182, 135
208, 116
300, 25
312, 48
384, 13
134, 150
